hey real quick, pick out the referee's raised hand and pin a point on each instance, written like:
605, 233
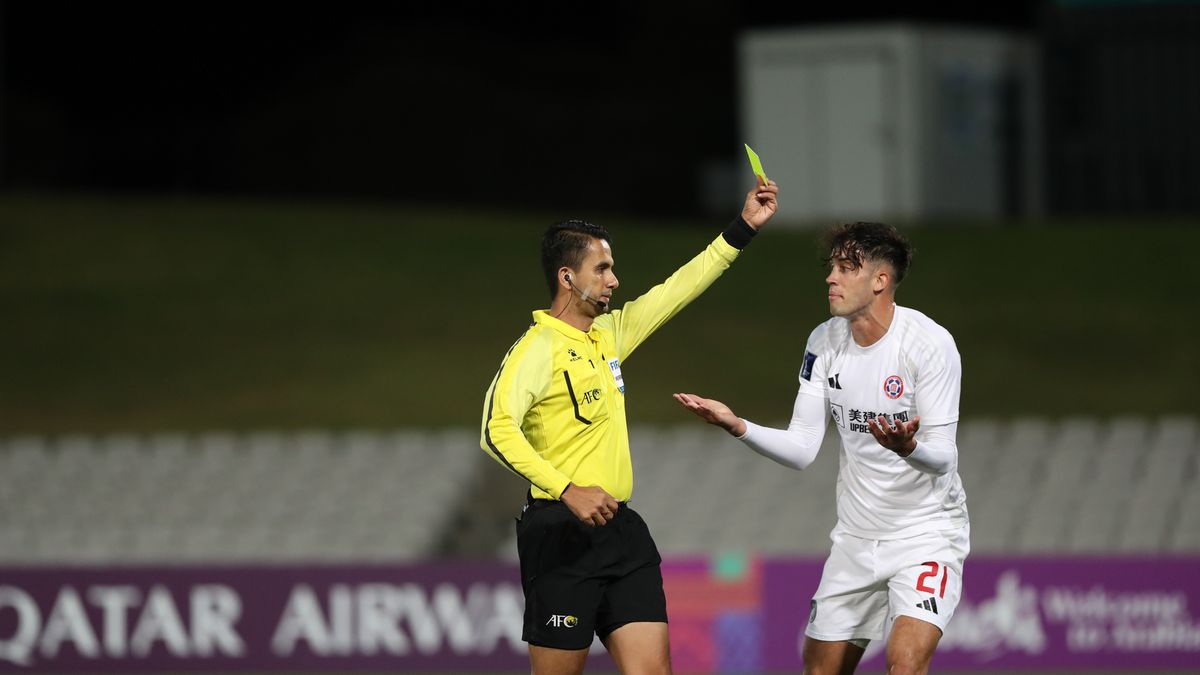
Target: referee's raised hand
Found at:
590, 504
761, 203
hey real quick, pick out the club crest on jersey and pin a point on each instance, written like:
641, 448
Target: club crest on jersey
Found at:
893, 386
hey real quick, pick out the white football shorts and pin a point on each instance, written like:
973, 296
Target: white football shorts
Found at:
867, 583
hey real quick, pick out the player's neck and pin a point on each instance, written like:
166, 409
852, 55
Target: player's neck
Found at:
870, 325
567, 311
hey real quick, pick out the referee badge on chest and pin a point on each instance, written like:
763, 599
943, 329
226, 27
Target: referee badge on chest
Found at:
614, 365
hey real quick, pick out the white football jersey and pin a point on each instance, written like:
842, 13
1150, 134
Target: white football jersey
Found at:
914, 369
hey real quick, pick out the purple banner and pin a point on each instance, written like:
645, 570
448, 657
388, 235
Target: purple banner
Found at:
728, 614
1032, 614
449, 617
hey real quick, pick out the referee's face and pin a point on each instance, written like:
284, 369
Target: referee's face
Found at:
596, 276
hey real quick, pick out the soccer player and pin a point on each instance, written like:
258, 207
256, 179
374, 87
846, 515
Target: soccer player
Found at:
889, 378
555, 415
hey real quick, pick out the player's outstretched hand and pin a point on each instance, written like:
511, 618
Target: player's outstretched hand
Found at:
590, 504
900, 439
761, 204
713, 412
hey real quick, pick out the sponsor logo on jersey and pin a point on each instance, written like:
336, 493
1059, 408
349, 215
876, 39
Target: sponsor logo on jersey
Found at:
574, 356
858, 419
838, 415
929, 605
812, 611
835, 381
893, 386
562, 621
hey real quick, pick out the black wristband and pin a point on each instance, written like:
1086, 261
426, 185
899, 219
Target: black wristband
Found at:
739, 233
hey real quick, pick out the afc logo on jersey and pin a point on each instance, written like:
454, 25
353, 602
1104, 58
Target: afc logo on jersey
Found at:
893, 387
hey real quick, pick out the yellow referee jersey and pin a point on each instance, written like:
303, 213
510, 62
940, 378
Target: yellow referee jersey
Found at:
555, 412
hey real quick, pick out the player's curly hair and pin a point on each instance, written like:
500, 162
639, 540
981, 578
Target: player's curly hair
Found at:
565, 244
862, 241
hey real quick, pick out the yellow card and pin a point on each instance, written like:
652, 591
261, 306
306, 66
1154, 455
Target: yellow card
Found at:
755, 164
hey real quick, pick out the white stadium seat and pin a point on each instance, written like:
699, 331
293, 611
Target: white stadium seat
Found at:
1037, 486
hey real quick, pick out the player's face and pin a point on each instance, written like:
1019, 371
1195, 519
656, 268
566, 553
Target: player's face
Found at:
596, 277
851, 286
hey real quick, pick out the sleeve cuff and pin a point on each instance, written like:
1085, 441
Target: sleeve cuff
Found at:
918, 454
748, 423
739, 233
556, 490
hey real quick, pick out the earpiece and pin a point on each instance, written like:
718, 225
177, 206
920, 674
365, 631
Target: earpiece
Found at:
585, 295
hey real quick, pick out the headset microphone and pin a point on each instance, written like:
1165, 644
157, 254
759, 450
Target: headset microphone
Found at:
586, 295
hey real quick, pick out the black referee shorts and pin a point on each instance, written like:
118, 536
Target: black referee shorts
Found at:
580, 580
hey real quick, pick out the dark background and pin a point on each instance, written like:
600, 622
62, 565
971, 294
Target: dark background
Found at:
208, 209
546, 104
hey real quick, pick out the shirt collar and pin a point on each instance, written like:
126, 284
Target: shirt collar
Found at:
542, 317
883, 338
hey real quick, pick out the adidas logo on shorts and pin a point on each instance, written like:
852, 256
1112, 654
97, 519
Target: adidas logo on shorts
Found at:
928, 605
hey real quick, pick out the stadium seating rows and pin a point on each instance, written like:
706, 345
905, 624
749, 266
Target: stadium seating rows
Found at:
1034, 486
263, 496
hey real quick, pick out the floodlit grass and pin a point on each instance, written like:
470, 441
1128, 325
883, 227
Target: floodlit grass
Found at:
142, 315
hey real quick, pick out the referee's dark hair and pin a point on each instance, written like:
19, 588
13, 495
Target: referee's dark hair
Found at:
861, 241
564, 245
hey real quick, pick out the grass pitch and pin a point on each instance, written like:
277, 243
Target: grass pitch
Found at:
160, 314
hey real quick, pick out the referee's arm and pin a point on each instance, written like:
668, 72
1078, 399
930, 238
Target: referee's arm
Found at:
641, 317
523, 378
647, 313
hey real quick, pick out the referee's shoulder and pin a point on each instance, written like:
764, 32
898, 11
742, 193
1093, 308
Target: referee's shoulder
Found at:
537, 340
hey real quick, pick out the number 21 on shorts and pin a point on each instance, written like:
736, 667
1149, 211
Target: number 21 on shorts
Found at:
932, 572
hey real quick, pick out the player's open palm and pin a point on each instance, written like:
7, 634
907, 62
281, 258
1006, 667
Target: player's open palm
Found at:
713, 412
900, 439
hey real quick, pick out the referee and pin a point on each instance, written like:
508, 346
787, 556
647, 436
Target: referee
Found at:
555, 415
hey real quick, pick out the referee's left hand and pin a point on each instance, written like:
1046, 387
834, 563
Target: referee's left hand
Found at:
590, 504
900, 439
